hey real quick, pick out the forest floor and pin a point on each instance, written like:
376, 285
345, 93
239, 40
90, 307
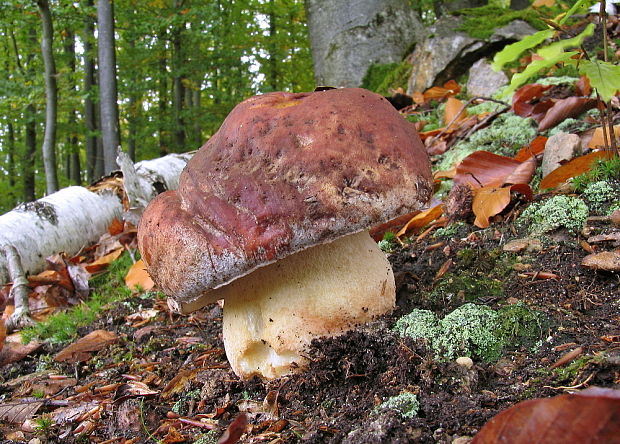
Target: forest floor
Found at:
165, 378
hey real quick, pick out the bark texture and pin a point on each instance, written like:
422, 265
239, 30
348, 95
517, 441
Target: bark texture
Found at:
348, 36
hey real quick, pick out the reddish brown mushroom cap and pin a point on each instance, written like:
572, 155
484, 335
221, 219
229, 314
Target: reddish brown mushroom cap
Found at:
283, 173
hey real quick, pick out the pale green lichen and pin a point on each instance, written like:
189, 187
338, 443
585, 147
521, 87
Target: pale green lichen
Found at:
561, 80
558, 212
600, 195
406, 404
507, 134
471, 330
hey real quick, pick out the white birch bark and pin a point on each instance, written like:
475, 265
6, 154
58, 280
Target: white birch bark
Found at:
74, 217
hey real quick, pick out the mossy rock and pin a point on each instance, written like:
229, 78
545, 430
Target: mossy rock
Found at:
482, 22
380, 78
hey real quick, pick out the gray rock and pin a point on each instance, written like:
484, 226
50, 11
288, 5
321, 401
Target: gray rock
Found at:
447, 53
483, 81
348, 36
559, 148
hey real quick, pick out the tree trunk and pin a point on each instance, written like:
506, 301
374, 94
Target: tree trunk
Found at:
75, 171
29, 153
347, 37
179, 88
90, 117
273, 48
51, 94
163, 97
10, 145
73, 217
107, 85
197, 136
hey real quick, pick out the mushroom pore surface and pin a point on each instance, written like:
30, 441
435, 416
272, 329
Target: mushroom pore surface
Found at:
272, 314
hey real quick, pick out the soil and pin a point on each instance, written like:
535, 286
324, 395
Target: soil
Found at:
196, 395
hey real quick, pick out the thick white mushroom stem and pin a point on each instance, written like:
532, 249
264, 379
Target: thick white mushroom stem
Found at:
272, 315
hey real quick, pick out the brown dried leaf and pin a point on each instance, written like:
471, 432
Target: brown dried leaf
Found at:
133, 389
568, 357
597, 140
572, 168
523, 173
489, 201
82, 349
485, 169
521, 99
393, 225
19, 410
564, 109
583, 87
421, 220
14, 350
104, 261
585, 417
605, 260
535, 147
453, 109
138, 276
443, 269
116, 227
235, 430
179, 382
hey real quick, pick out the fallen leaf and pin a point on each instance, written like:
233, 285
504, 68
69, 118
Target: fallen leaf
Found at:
598, 141
452, 110
116, 227
235, 430
572, 168
523, 173
590, 416
179, 382
14, 350
445, 174
104, 261
20, 410
539, 3
485, 169
393, 225
563, 109
421, 220
568, 357
522, 97
138, 276
133, 389
605, 260
535, 147
583, 87
450, 88
540, 275
82, 349
443, 269
489, 201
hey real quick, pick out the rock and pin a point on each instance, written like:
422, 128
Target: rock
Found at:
559, 148
465, 361
527, 243
605, 260
447, 52
483, 81
347, 37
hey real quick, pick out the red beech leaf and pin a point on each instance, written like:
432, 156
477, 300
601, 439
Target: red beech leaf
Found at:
488, 202
574, 167
564, 109
484, 169
449, 89
521, 99
393, 225
523, 173
591, 416
540, 109
421, 220
235, 430
535, 147
524, 189
582, 87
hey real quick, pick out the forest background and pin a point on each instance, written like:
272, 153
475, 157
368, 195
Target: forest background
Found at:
182, 65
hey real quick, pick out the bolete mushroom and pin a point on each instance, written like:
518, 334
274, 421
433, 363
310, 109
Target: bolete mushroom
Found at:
272, 213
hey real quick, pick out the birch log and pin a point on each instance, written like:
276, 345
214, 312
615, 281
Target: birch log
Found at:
74, 217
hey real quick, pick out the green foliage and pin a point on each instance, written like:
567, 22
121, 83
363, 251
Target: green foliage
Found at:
406, 404
603, 170
388, 243
472, 330
604, 77
557, 212
381, 78
466, 285
482, 22
43, 424
108, 288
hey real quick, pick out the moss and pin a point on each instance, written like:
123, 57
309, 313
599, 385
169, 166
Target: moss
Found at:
452, 230
482, 22
557, 212
600, 196
406, 404
211, 437
569, 372
388, 243
505, 136
380, 78
455, 285
602, 170
472, 330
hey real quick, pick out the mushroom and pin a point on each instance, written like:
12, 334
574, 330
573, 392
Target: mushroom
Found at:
272, 213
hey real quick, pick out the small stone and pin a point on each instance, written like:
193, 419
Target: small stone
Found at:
527, 243
521, 267
462, 440
559, 148
605, 260
483, 81
465, 361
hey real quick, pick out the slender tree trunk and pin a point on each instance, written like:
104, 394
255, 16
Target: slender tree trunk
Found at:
273, 48
132, 127
51, 94
163, 98
107, 84
75, 170
179, 88
10, 145
90, 117
196, 103
29, 153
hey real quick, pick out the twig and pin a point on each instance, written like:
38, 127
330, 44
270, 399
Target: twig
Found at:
19, 290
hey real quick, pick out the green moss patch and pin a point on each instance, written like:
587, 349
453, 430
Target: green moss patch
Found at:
473, 330
482, 22
554, 213
380, 78
406, 404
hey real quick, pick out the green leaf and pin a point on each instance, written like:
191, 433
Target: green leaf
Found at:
513, 51
552, 50
581, 4
604, 77
534, 67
